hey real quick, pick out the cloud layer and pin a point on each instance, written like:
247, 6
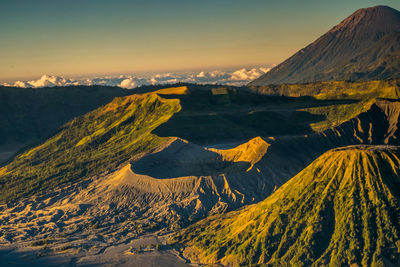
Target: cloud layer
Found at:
236, 78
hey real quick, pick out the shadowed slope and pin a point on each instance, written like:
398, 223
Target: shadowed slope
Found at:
237, 115
365, 92
341, 209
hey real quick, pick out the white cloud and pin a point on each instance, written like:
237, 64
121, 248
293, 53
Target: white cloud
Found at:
248, 75
44, 81
128, 83
201, 75
237, 78
20, 84
50, 81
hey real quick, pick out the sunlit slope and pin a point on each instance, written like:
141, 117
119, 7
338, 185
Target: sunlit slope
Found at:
89, 145
335, 89
251, 152
342, 209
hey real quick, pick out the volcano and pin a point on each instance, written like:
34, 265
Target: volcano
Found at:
342, 210
364, 46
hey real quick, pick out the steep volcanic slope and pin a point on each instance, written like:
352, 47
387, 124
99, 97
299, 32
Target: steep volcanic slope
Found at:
365, 46
341, 210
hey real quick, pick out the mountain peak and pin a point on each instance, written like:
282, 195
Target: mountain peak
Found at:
378, 19
375, 11
364, 46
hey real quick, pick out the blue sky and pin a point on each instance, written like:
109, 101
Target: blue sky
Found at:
90, 37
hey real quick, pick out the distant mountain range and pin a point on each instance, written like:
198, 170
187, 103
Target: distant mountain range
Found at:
365, 46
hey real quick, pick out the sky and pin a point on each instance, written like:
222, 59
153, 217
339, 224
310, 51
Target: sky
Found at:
99, 37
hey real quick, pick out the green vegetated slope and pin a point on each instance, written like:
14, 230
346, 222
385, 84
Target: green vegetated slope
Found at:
342, 209
363, 93
28, 114
89, 145
334, 89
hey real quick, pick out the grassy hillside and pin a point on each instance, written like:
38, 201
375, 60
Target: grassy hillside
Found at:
341, 210
362, 93
334, 89
88, 145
